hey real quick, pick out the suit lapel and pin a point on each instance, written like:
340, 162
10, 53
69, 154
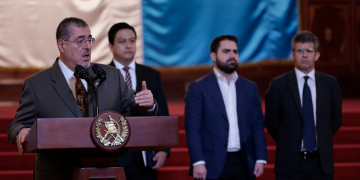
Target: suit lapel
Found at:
63, 90
293, 85
112, 63
138, 77
214, 89
320, 88
240, 103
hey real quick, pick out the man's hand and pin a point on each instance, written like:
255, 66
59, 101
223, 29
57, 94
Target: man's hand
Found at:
199, 172
20, 140
144, 97
259, 169
160, 158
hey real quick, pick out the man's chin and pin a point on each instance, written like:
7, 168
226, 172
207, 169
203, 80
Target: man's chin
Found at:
85, 64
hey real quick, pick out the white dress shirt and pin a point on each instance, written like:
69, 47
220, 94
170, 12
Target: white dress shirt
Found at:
70, 78
312, 85
131, 71
228, 92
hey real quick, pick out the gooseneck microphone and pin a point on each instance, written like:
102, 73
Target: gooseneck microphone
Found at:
82, 73
100, 73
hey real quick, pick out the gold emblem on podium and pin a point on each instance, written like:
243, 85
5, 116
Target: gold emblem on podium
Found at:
112, 135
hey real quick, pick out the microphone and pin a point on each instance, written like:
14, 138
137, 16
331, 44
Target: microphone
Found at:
82, 72
100, 72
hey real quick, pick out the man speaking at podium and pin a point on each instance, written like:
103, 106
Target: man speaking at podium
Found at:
59, 93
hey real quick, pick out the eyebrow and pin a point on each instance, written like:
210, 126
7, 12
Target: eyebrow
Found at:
229, 50
125, 38
83, 37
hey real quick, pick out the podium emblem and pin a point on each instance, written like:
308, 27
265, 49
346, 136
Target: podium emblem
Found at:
110, 131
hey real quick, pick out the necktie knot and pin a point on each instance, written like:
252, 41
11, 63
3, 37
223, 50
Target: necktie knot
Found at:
126, 69
306, 78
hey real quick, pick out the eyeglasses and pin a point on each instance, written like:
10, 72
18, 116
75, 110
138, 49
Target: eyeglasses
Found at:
303, 50
82, 42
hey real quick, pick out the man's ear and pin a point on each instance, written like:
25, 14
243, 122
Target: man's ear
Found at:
110, 47
61, 45
317, 56
213, 56
292, 55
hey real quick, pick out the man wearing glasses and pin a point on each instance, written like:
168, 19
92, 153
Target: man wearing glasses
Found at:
303, 112
59, 93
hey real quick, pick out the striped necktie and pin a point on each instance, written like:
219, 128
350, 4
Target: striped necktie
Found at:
128, 77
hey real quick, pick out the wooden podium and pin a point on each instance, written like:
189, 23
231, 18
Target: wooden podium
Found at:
56, 134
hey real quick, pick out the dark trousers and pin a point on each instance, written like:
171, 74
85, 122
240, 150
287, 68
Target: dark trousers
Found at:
134, 172
234, 168
308, 169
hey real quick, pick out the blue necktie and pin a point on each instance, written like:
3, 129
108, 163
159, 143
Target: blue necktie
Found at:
309, 132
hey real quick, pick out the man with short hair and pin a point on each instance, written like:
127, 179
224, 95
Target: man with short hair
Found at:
303, 112
57, 92
223, 120
122, 43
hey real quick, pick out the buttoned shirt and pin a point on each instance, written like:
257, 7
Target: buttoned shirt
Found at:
131, 71
312, 85
70, 78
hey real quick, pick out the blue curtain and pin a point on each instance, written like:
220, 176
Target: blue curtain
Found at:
179, 32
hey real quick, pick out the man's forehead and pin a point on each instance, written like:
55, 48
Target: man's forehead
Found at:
80, 32
125, 33
226, 44
301, 45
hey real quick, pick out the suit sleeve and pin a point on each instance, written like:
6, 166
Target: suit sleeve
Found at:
336, 108
193, 121
25, 115
272, 106
257, 125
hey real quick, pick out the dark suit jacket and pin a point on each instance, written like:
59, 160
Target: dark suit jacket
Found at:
46, 94
284, 121
153, 83
207, 126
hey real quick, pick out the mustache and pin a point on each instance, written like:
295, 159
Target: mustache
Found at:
85, 52
231, 59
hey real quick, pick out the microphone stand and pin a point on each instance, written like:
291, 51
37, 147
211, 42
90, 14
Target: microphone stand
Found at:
95, 95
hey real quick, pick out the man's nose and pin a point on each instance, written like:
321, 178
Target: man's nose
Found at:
127, 44
87, 45
304, 53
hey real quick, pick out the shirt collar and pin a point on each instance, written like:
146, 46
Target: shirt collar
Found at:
219, 76
66, 71
120, 66
300, 74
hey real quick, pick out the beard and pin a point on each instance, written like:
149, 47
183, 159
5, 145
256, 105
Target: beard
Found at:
227, 67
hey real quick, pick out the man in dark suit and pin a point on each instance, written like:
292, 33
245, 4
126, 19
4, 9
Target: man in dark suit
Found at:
122, 43
58, 92
223, 120
303, 112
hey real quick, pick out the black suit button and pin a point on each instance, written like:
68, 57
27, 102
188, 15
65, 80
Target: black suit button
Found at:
225, 145
227, 129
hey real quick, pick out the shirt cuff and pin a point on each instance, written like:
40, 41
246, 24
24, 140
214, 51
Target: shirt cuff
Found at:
17, 133
152, 109
198, 163
261, 161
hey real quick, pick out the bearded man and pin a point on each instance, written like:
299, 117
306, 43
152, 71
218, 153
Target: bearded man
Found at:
223, 119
